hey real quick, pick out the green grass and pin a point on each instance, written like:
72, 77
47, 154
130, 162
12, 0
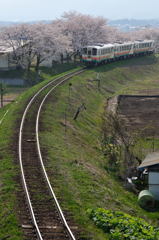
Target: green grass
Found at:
73, 151
7, 184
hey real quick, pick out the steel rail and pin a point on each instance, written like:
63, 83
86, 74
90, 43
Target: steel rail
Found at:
20, 151
42, 163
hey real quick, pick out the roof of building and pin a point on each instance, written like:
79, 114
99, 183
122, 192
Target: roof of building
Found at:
6, 48
150, 160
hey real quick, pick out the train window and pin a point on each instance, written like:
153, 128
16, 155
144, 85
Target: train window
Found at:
84, 51
89, 52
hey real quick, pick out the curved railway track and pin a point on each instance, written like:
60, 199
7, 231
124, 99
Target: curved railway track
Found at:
46, 219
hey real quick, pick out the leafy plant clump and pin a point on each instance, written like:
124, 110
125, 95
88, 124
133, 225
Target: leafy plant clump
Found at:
123, 226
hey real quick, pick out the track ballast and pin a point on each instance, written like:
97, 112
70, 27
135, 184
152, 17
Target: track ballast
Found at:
43, 218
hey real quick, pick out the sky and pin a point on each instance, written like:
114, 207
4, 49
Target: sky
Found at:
28, 10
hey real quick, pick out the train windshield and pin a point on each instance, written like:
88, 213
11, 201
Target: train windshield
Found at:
94, 51
84, 51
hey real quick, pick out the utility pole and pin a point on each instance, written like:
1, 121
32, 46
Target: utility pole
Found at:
98, 80
69, 94
1, 92
67, 108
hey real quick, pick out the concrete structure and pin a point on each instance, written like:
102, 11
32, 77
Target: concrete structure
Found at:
151, 163
6, 57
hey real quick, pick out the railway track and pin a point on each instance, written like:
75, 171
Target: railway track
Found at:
41, 215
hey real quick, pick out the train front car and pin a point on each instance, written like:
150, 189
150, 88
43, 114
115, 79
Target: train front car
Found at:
89, 55
96, 54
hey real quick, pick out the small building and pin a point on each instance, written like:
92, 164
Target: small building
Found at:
6, 57
151, 164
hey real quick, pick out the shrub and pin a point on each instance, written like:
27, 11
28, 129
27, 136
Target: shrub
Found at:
123, 226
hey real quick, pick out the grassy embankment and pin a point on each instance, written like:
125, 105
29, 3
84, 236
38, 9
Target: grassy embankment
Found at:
73, 149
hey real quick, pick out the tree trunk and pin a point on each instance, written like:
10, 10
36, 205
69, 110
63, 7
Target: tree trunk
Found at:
37, 64
61, 55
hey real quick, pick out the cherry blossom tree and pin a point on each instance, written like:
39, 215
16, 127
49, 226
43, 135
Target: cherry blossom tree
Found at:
34, 43
48, 41
82, 29
19, 38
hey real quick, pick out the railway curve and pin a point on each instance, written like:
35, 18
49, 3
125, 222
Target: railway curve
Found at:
44, 219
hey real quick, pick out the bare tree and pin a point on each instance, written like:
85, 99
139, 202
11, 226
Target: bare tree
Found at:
115, 138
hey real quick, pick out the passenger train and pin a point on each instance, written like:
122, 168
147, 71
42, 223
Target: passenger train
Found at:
102, 53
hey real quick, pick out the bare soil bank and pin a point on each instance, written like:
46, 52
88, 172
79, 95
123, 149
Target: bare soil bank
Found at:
139, 112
